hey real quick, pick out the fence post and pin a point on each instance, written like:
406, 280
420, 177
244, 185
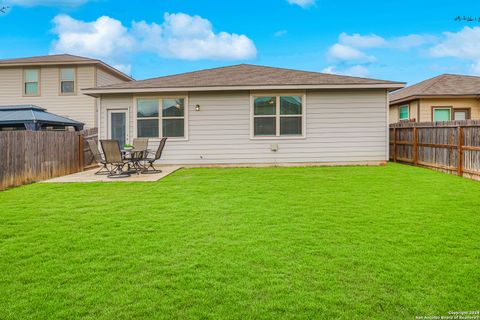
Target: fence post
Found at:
415, 146
80, 152
394, 144
460, 151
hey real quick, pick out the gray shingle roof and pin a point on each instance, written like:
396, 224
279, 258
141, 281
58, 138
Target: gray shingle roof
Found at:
244, 75
54, 58
442, 85
13, 114
60, 59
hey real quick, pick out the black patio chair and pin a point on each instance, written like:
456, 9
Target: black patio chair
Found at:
97, 156
113, 157
149, 160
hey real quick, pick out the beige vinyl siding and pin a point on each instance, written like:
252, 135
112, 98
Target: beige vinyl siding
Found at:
116, 102
77, 107
105, 78
413, 109
457, 103
394, 116
341, 126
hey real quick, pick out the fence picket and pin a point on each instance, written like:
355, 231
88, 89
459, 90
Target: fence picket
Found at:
29, 156
452, 147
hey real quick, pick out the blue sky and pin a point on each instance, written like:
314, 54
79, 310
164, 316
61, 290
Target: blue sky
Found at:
395, 40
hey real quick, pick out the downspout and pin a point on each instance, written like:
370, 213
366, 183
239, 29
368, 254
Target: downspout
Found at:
387, 99
418, 110
98, 101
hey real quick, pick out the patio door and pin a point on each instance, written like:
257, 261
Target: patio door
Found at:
117, 125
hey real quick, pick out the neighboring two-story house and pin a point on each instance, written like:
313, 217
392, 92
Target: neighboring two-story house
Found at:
54, 83
442, 98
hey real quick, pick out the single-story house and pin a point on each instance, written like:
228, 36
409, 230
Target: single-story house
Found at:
442, 98
248, 114
34, 118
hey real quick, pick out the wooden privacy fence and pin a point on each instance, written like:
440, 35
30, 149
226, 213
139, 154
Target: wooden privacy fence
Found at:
28, 156
452, 146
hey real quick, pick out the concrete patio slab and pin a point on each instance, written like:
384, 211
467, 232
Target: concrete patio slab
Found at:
89, 176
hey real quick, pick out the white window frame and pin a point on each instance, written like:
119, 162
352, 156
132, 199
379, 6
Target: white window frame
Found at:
160, 116
74, 81
408, 112
277, 115
24, 82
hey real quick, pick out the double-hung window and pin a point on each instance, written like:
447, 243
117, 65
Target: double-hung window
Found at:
31, 82
278, 116
157, 117
67, 81
404, 112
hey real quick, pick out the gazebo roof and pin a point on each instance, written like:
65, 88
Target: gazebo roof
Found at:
21, 114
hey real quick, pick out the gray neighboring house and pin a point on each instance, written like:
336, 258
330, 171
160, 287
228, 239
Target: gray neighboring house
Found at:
248, 114
54, 82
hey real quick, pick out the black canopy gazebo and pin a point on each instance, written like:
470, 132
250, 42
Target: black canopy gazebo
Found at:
33, 118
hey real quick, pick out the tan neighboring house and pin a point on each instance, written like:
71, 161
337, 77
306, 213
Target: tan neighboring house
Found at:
54, 82
443, 98
248, 114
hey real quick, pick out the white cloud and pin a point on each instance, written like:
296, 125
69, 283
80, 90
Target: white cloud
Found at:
343, 52
358, 41
464, 44
411, 41
353, 49
354, 71
47, 3
374, 41
302, 3
280, 33
188, 37
180, 36
104, 37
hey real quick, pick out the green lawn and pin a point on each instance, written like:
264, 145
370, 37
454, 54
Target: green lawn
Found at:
387, 242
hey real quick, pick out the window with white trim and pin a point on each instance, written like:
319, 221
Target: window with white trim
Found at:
278, 116
160, 117
67, 81
31, 82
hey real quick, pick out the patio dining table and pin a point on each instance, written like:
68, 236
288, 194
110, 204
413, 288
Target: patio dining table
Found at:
134, 158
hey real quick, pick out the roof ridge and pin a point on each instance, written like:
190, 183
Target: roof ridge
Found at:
436, 80
413, 86
50, 55
311, 72
33, 115
260, 66
191, 72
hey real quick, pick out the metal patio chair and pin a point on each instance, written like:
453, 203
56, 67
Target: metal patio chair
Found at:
149, 160
97, 156
113, 157
140, 143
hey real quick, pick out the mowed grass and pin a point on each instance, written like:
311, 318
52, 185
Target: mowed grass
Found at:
386, 242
